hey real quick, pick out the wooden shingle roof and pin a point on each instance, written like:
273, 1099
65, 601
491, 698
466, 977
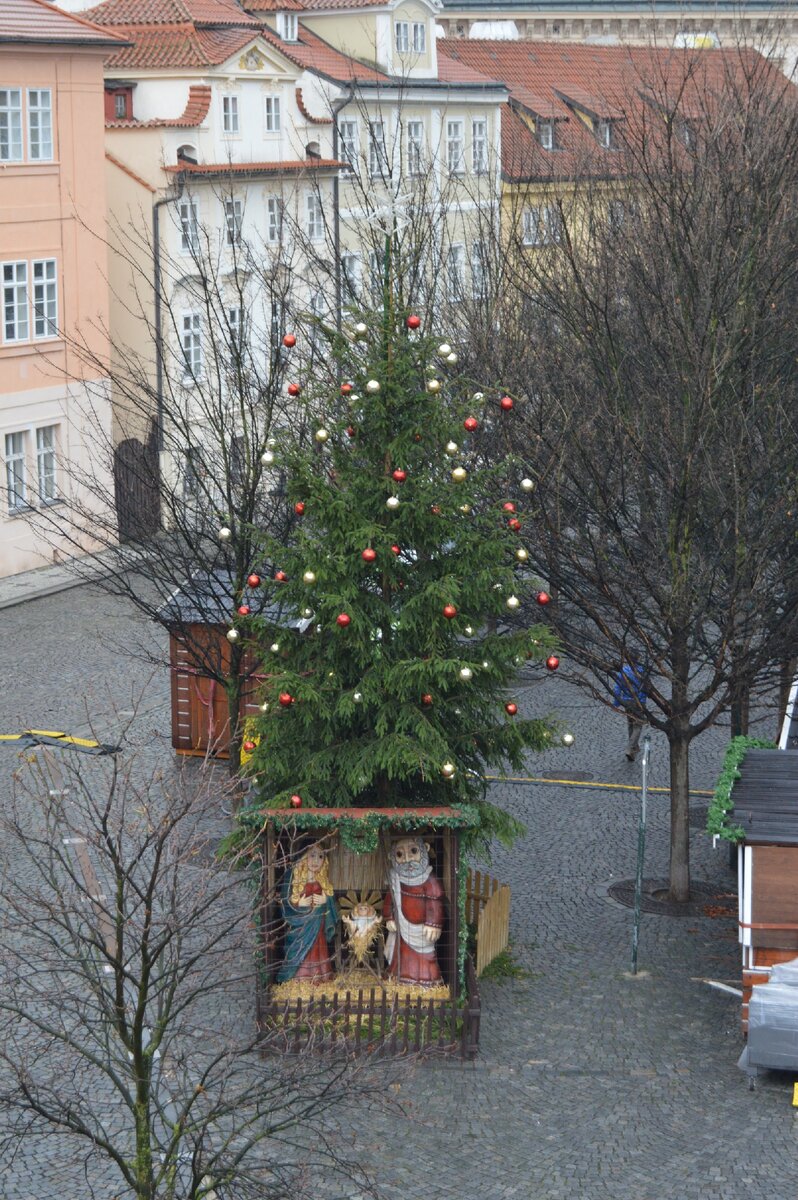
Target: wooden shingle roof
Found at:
766, 797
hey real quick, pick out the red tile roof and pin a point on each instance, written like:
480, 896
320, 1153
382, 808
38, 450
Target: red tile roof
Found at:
313, 53
300, 103
170, 12
179, 46
297, 166
37, 21
196, 110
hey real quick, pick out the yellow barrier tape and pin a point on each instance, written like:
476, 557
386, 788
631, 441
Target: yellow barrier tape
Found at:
581, 783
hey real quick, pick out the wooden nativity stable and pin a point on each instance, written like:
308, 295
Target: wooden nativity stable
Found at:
198, 616
355, 997
764, 815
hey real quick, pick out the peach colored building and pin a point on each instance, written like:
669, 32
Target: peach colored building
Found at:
53, 268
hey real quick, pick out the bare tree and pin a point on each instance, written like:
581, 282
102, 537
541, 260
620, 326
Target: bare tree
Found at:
127, 997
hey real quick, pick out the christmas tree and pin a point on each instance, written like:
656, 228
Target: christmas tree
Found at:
406, 565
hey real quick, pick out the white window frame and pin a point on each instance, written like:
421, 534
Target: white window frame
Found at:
532, 225
40, 125
318, 310
120, 102
314, 217
191, 346
401, 36
46, 473
552, 225
271, 114
420, 37
455, 272
378, 151
287, 26
478, 272
15, 453
349, 144
455, 147
605, 135
233, 220
11, 125
479, 145
274, 219
231, 125
189, 226
44, 274
15, 302
546, 133
415, 146
235, 328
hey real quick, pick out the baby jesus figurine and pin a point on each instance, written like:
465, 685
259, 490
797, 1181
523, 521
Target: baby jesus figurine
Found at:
362, 923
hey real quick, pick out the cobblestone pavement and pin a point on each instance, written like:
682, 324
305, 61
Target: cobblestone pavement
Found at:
590, 1085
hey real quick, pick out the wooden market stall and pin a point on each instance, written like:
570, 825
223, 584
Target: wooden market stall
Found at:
363, 995
765, 813
198, 615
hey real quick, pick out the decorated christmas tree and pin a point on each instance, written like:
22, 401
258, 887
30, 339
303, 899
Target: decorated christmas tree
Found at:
407, 569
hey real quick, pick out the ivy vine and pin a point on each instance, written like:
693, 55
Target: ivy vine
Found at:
722, 806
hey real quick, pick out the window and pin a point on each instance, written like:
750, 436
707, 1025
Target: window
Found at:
234, 216
541, 226
402, 35
478, 270
15, 302
274, 219
45, 299
189, 226
378, 158
605, 135
287, 26
230, 114
454, 147
455, 272
120, 105
16, 485
347, 135
235, 333
552, 224
545, 131
191, 342
415, 146
419, 37
272, 114
317, 311
350, 278
315, 217
10, 125
45, 464
479, 146
616, 215
40, 124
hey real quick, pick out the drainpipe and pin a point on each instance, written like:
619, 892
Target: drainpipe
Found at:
156, 262
336, 108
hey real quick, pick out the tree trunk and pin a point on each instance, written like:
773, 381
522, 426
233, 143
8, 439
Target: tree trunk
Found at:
679, 746
233, 690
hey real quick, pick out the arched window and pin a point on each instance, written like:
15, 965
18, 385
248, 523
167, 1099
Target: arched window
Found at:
187, 153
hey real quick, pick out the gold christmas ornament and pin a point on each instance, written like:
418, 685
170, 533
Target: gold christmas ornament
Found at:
275, 647
527, 485
271, 442
485, 665
444, 350
309, 577
521, 554
225, 534
267, 458
264, 708
373, 386
451, 358
468, 631
567, 739
459, 475
466, 673
307, 613
465, 508
232, 635
478, 396
361, 329
357, 697
322, 435
433, 385
451, 448
392, 502
513, 602
447, 770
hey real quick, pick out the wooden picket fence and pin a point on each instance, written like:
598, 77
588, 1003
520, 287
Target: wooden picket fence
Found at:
488, 909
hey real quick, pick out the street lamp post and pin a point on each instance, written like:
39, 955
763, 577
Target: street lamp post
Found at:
641, 849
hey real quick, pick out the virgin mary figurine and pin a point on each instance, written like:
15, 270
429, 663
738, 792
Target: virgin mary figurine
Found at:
310, 915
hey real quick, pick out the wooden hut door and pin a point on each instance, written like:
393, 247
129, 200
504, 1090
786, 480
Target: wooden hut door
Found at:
209, 716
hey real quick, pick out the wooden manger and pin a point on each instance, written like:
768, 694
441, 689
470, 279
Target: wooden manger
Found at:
358, 1006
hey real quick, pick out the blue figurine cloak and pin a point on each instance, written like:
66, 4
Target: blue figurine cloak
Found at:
302, 927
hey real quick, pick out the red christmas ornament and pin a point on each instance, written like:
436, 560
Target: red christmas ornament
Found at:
299, 507
249, 747
346, 388
343, 619
509, 506
413, 322
505, 404
289, 340
280, 576
253, 580
426, 700
436, 510
368, 555
296, 801
294, 389
417, 437
400, 476
396, 549
514, 524
449, 611
552, 662
243, 610
511, 709
543, 598
285, 699
350, 431
471, 423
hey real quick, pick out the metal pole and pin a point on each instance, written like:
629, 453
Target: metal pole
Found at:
641, 849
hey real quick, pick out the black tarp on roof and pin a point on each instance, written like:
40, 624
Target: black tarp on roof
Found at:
207, 598
766, 797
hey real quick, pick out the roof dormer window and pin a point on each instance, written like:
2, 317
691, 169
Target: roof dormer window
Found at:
287, 26
605, 134
545, 132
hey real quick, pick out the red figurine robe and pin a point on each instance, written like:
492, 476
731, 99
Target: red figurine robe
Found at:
421, 905
317, 965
